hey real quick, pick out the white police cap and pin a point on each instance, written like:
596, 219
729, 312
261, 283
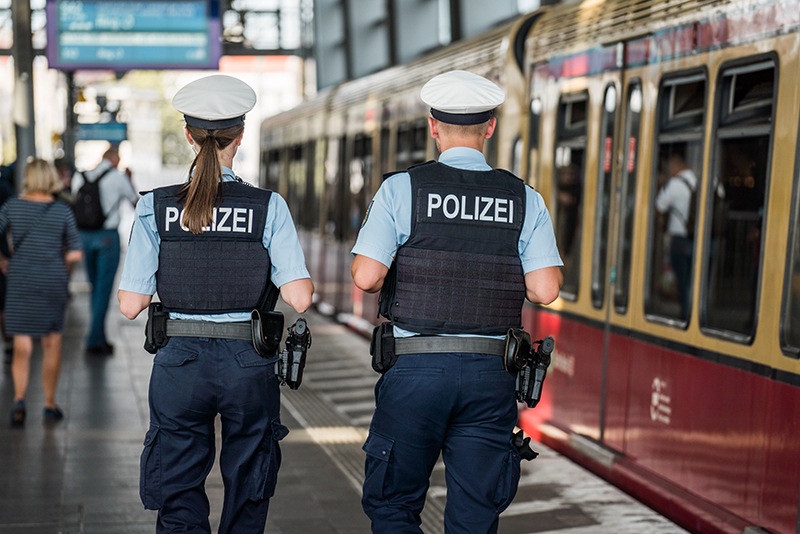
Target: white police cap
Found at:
215, 102
461, 97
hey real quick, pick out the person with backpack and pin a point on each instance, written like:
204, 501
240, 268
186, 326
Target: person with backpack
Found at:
98, 194
676, 201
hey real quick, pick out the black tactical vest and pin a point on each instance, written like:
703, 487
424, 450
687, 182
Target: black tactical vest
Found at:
224, 269
460, 271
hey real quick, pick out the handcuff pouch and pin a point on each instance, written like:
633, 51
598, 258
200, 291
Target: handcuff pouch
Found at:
267, 331
381, 348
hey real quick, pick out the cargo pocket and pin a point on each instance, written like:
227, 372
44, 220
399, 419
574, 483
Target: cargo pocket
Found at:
150, 471
376, 469
267, 463
509, 479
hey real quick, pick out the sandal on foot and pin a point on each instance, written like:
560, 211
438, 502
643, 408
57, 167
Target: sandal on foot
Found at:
18, 413
53, 414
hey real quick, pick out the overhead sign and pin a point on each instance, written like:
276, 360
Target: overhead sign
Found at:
122, 35
113, 132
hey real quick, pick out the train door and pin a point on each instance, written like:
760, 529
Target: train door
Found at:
619, 169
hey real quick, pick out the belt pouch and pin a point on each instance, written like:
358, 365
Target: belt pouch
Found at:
381, 348
267, 331
518, 350
155, 331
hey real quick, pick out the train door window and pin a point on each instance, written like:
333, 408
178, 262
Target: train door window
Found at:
790, 324
403, 146
385, 161
296, 193
603, 203
273, 165
331, 201
676, 172
736, 200
516, 156
633, 120
419, 141
533, 133
360, 172
570, 154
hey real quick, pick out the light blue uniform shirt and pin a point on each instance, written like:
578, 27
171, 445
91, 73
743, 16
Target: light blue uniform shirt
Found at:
280, 239
387, 224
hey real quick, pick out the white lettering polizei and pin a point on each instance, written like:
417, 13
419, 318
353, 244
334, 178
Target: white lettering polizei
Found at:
487, 209
237, 220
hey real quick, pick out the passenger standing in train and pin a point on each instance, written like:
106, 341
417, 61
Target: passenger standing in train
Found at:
674, 201
101, 246
214, 248
45, 242
455, 247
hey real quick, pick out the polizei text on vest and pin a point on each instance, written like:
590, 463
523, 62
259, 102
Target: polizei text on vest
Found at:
238, 220
468, 208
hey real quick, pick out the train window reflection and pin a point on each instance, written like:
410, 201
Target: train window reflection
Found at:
533, 132
603, 211
733, 250
633, 119
569, 181
676, 174
360, 173
296, 193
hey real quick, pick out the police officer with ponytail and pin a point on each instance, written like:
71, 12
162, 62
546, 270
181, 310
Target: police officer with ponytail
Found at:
215, 249
455, 247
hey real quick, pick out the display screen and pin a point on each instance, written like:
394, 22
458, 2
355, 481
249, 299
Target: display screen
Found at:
121, 34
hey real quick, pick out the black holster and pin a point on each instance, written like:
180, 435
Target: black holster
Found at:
381, 348
155, 331
267, 331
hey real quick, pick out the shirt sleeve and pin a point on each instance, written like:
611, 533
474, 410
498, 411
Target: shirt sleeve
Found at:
387, 223
141, 261
537, 242
280, 239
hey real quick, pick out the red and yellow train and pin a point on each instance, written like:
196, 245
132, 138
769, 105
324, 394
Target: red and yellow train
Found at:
695, 412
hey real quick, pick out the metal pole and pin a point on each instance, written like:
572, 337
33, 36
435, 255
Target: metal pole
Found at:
68, 139
23, 87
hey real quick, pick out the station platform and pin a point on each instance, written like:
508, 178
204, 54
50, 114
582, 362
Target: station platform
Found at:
81, 475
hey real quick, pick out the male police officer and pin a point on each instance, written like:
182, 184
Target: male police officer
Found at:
466, 244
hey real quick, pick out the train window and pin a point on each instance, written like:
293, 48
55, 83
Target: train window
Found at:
419, 141
332, 202
633, 119
314, 183
360, 172
385, 161
676, 172
603, 202
533, 132
403, 147
790, 327
735, 204
516, 156
296, 194
273, 165
570, 153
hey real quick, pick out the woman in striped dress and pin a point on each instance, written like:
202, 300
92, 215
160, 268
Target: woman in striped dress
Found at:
45, 241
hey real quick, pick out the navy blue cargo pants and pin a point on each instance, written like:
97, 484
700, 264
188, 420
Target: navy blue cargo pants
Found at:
462, 405
193, 380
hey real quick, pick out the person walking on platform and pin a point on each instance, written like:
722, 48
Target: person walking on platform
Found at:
454, 246
101, 243
45, 242
215, 249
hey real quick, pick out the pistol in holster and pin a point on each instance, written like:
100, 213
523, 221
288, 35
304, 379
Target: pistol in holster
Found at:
529, 365
155, 331
292, 361
381, 348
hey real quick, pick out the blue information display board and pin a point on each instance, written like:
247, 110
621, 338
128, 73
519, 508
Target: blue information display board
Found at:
131, 34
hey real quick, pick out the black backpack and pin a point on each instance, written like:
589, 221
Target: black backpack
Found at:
87, 207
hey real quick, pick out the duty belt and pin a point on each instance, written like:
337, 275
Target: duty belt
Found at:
430, 344
188, 328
